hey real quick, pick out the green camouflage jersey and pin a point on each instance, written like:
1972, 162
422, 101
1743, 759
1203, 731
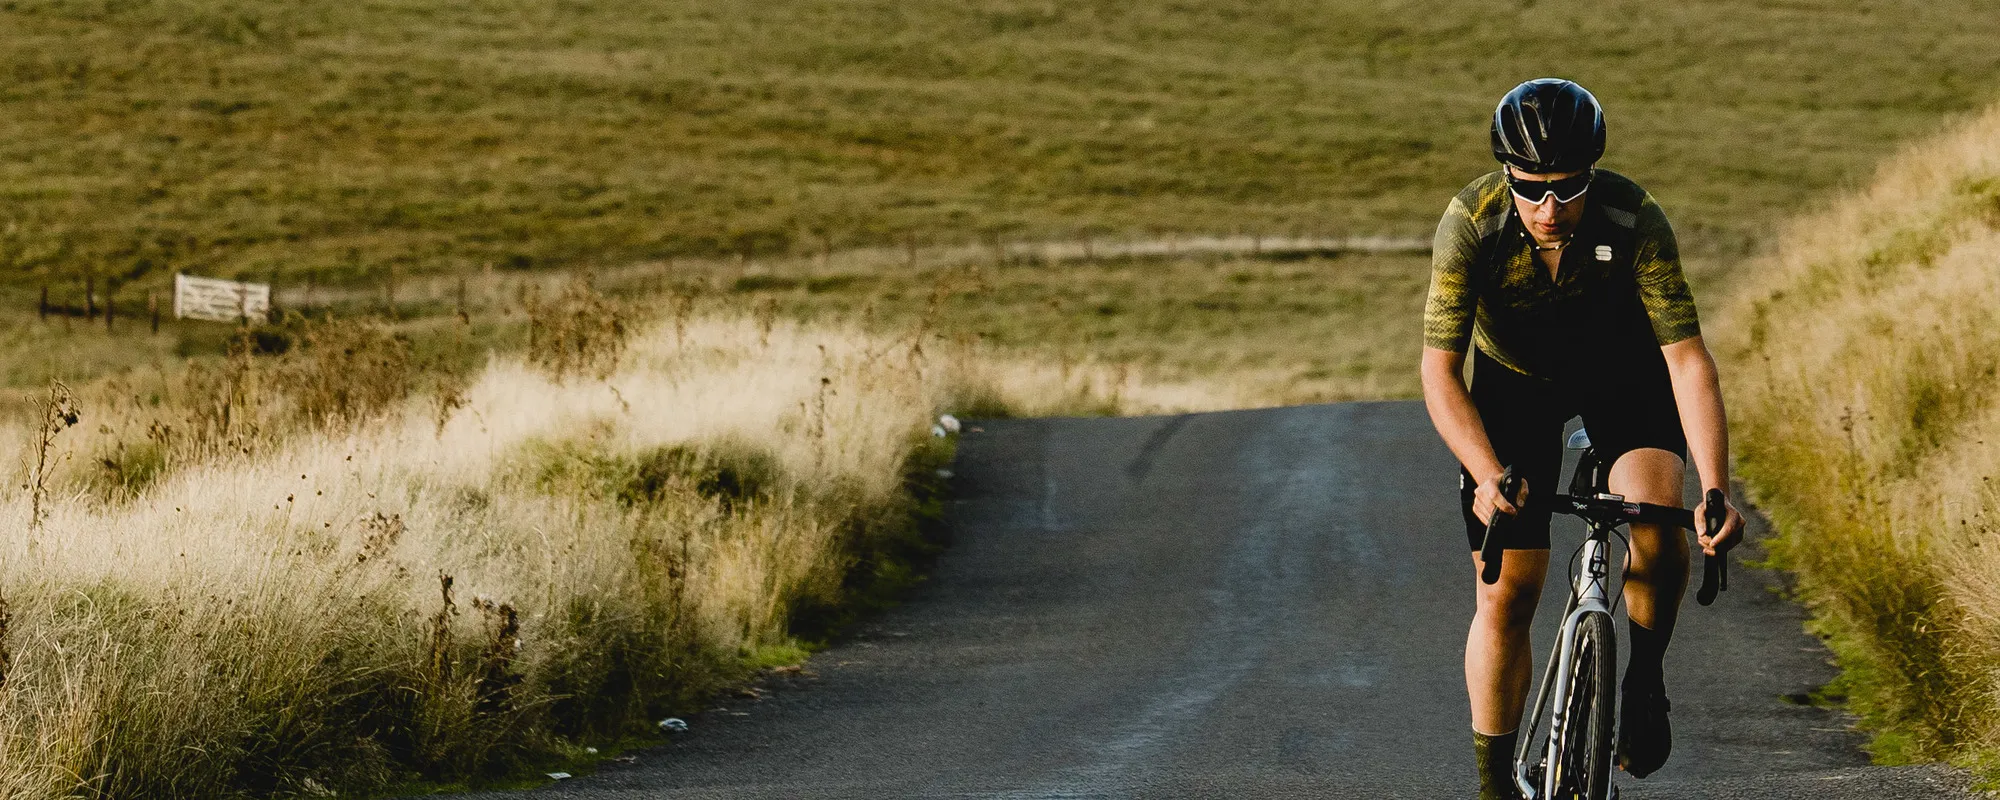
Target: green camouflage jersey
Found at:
1618, 287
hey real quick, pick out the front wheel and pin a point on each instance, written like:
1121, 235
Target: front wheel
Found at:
1584, 754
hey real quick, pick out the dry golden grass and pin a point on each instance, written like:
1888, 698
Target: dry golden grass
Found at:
1866, 362
443, 591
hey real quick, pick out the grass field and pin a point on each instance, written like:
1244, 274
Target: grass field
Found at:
346, 140
1263, 331
1864, 363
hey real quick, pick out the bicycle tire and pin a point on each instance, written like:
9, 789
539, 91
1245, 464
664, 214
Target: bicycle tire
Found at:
1586, 749
1603, 708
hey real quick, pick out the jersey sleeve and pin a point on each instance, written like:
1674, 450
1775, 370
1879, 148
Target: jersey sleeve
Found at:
1663, 288
1448, 310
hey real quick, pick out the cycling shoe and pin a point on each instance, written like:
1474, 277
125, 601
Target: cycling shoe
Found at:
1645, 737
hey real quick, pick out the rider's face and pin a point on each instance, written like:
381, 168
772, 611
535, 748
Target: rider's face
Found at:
1549, 221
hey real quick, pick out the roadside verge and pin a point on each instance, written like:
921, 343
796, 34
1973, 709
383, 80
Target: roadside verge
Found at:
1864, 362
246, 581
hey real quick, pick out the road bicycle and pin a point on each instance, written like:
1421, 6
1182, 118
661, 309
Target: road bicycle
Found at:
1564, 752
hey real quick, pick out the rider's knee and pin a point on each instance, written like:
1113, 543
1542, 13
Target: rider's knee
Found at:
1657, 550
1509, 604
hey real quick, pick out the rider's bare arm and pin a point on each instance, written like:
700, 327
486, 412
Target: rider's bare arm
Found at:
1699, 395
1451, 409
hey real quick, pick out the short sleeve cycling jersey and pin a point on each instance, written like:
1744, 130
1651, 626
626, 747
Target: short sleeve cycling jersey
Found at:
1618, 286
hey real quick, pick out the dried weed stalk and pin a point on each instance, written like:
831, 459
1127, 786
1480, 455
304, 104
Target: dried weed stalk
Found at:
6, 660
58, 413
381, 533
581, 333
347, 371
448, 398
497, 675
438, 665
222, 400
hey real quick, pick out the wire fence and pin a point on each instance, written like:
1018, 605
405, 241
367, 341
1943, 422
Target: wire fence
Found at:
395, 294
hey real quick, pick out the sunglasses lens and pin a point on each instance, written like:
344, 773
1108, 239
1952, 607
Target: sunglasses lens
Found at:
1564, 190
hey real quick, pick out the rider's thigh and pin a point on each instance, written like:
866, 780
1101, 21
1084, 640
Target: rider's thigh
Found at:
1651, 475
1648, 475
1519, 589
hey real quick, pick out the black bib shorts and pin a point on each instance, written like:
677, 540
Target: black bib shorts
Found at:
1628, 404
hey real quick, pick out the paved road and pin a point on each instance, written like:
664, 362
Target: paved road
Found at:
1261, 604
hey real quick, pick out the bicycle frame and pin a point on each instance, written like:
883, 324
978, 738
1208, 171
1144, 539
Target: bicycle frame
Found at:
1590, 499
1590, 594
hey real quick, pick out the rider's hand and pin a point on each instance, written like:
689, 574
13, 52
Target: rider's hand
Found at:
1487, 498
1721, 541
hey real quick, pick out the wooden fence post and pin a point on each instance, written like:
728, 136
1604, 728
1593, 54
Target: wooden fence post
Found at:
42, 310
153, 309
110, 308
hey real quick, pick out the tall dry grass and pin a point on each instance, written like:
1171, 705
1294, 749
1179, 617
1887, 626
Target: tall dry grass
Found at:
1866, 371
314, 597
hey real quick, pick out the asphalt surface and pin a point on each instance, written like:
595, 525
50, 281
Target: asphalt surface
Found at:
1266, 604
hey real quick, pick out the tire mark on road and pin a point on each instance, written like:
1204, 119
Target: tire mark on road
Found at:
1141, 464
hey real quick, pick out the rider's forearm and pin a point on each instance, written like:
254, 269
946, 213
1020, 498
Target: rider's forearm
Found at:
1698, 392
1457, 420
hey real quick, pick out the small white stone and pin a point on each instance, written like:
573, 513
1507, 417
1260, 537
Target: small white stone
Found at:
949, 423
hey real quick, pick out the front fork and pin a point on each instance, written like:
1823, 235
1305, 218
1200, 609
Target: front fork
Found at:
1590, 595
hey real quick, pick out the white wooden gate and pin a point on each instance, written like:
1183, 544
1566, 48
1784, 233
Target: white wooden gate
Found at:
220, 300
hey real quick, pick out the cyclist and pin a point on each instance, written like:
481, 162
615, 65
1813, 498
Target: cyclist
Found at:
1565, 281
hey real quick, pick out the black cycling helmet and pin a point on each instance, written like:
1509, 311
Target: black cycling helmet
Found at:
1548, 125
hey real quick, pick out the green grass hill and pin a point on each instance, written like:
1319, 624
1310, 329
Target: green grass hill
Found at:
139, 137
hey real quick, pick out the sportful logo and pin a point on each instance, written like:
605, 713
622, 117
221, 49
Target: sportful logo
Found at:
1604, 252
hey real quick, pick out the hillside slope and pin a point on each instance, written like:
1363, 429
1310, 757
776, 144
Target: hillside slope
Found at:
1866, 363
341, 138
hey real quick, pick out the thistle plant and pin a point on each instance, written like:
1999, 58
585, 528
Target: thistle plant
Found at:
57, 413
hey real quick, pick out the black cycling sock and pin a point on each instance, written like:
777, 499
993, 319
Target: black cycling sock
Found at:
1494, 756
1649, 650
